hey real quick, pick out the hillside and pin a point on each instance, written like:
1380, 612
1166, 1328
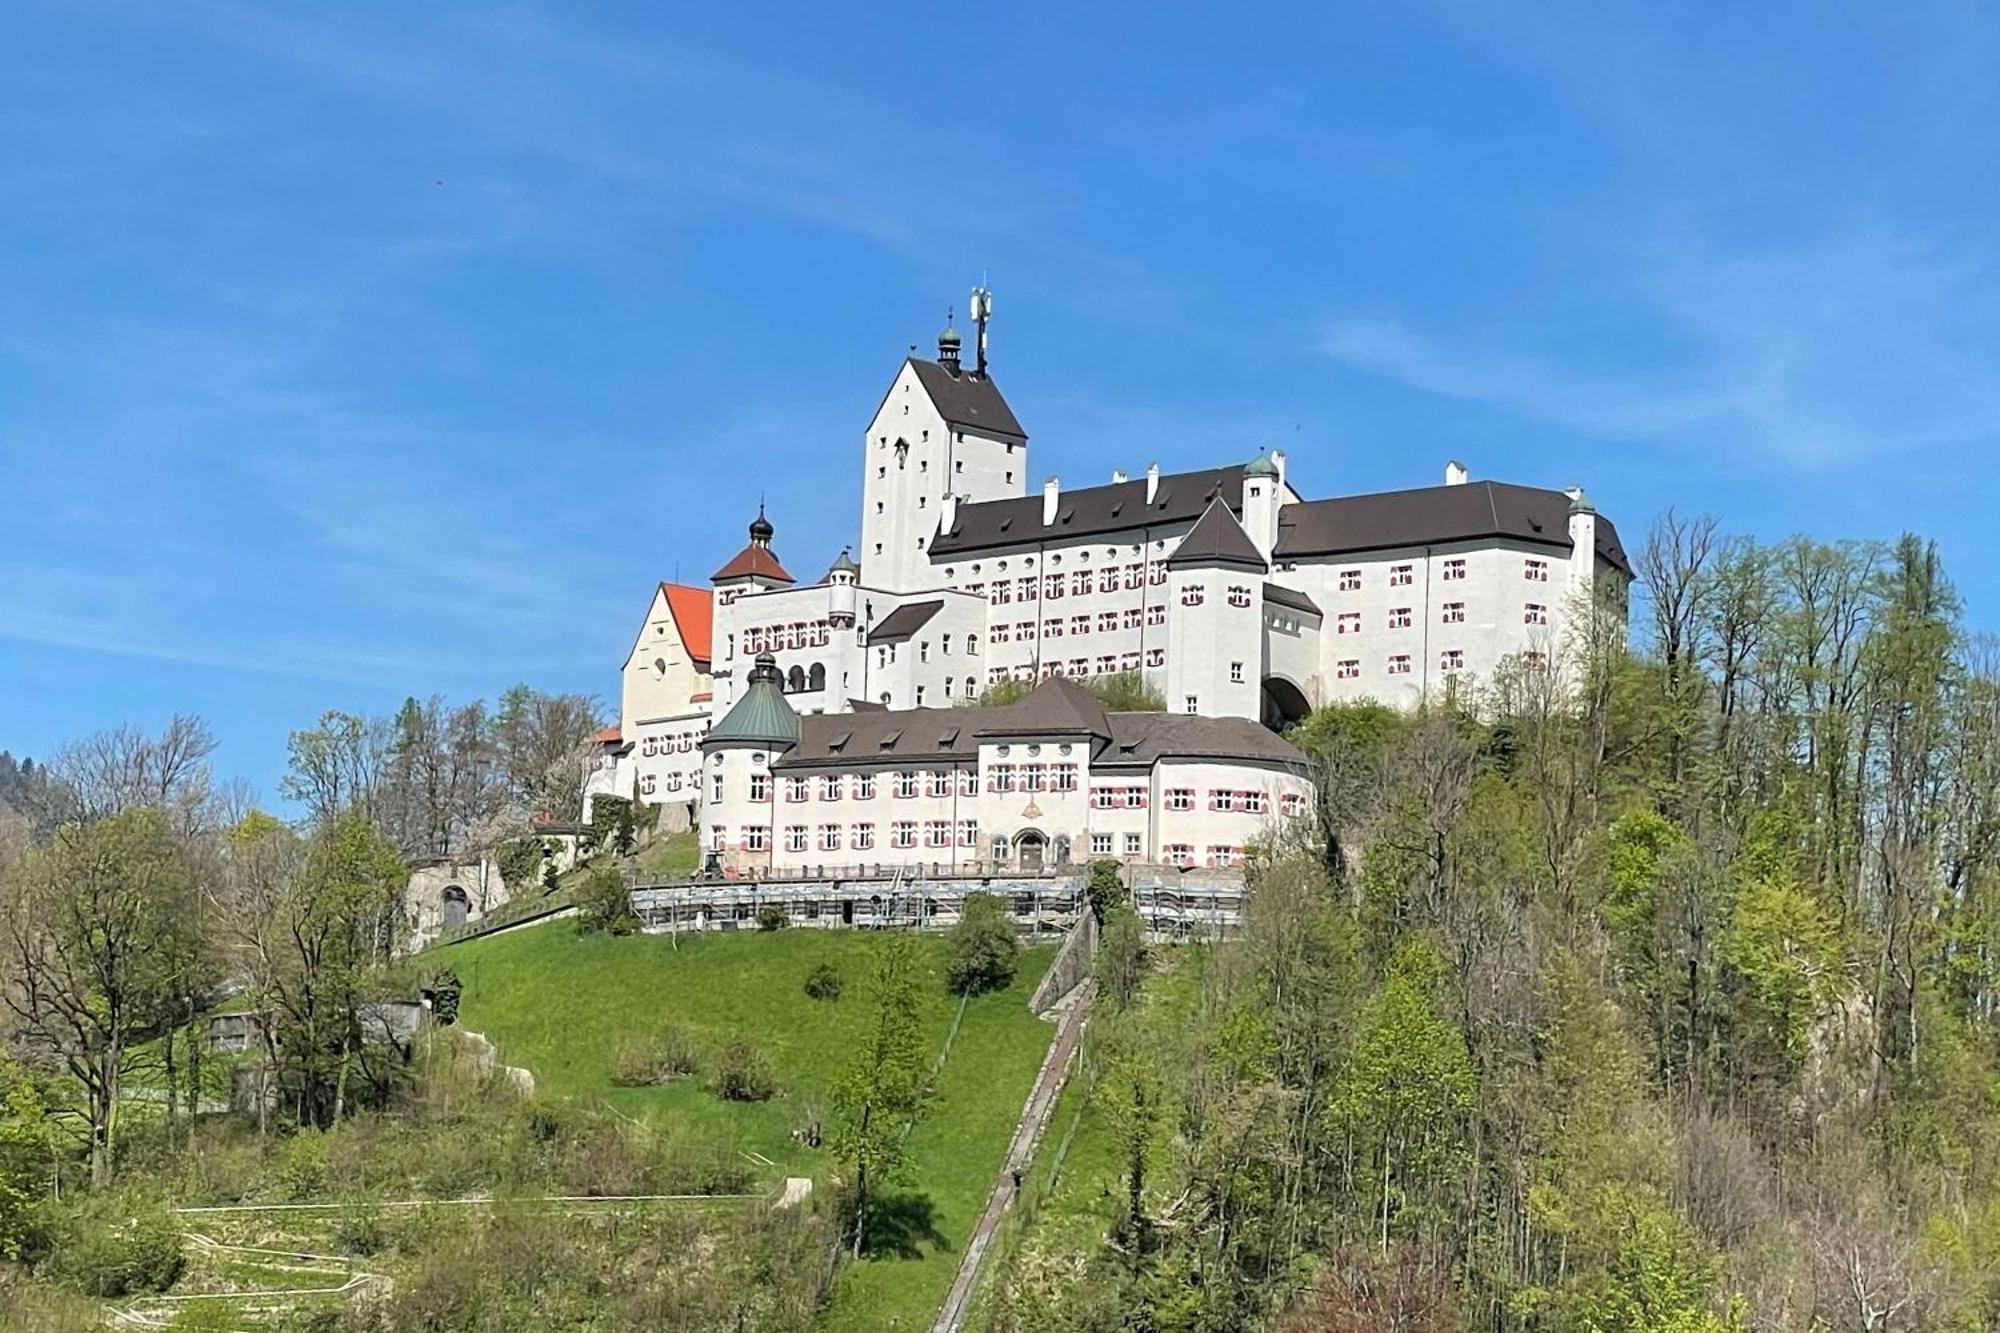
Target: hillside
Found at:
559, 1003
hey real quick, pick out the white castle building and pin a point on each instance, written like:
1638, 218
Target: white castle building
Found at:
1232, 594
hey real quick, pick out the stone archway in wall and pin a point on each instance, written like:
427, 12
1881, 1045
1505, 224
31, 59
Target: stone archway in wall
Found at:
1284, 703
453, 907
1031, 850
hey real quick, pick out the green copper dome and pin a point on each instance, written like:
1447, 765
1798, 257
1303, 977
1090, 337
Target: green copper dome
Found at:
1260, 466
762, 716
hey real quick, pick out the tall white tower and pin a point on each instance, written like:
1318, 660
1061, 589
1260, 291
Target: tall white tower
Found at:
942, 430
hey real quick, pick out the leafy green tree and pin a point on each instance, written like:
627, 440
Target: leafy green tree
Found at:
884, 1090
1404, 1096
101, 929
314, 919
446, 992
984, 948
1347, 746
1656, 1280
1120, 965
611, 824
603, 903
1131, 1095
1787, 949
30, 1148
1105, 887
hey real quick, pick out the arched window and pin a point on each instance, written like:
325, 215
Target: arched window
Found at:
454, 907
817, 680
1062, 849
795, 680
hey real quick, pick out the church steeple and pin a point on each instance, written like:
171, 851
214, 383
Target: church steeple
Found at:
948, 345
756, 563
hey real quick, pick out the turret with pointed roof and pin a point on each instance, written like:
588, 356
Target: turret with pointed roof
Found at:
756, 563
1217, 540
763, 717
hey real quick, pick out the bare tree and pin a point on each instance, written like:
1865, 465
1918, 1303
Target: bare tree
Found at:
124, 769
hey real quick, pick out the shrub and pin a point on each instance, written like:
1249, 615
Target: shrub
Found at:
984, 951
611, 824
823, 982
446, 991
642, 1061
742, 1074
771, 918
359, 1230
1105, 888
603, 903
118, 1247
302, 1166
520, 864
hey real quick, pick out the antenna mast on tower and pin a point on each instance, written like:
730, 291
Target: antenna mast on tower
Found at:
982, 309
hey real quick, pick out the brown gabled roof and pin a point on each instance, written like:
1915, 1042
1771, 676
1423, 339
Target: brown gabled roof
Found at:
1057, 706
1279, 595
1143, 738
968, 401
1092, 510
755, 560
904, 621
1434, 515
1218, 539
885, 736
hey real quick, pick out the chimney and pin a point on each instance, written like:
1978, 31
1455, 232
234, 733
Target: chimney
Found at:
1454, 473
1152, 481
1278, 457
1051, 492
1117, 476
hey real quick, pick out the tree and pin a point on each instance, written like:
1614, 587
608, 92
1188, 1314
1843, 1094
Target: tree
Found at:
1120, 965
884, 1090
1404, 1095
1118, 692
446, 992
313, 919
101, 928
1131, 1095
545, 744
1105, 887
336, 766
124, 769
604, 903
984, 950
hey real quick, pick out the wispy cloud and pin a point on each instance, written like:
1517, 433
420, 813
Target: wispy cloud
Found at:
1861, 345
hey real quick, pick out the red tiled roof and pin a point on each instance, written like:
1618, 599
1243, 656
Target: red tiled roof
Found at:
694, 616
753, 559
610, 735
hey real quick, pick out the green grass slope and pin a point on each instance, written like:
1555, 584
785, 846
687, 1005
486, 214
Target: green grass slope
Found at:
559, 1003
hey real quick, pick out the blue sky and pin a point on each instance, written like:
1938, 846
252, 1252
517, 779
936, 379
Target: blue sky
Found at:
354, 351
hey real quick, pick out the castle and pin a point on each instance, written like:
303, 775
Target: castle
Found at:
763, 708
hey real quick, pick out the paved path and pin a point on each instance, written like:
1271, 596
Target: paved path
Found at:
1034, 1119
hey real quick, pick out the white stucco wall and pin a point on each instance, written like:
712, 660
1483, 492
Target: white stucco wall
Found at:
902, 493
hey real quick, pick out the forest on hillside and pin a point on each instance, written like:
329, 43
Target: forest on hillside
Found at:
1647, 989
